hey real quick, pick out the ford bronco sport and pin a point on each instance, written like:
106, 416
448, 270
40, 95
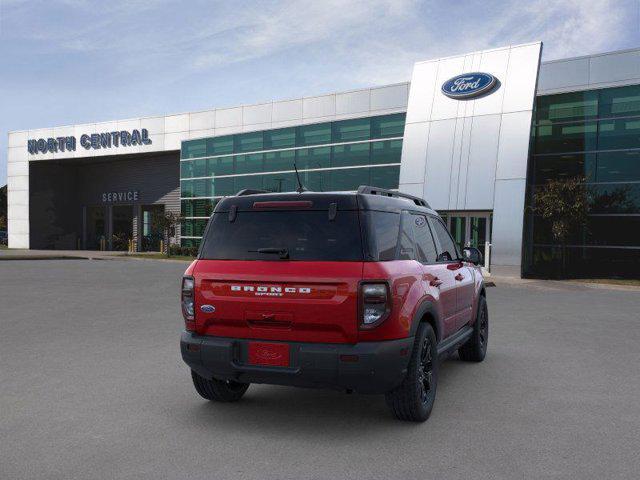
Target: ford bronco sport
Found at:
360, 292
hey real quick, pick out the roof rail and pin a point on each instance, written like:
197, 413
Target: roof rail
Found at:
366, 189
250, 191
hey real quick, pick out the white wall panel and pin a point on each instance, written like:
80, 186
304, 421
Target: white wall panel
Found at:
314, 107
508, 213
438, 168
17, 154
17, 168
614, 67
557, 75
287, 110
18, 139
352, 102
257, 114
202, 120
422, 91
514, 145
176, 123
393, 96
443, 106
520, 83
229, 117
481, 169
494, 62
154, 125
414, 154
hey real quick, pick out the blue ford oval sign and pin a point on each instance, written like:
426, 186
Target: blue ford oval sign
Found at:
208, 308
468, 85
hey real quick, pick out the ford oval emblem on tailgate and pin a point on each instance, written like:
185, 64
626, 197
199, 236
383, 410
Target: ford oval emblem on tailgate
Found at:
208, 308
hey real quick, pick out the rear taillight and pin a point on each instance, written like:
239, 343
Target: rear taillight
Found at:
187, 302
375, 304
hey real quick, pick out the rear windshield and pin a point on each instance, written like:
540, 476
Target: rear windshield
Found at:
304, 235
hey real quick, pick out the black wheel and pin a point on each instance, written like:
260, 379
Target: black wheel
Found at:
218, 390
414, 398
476, 347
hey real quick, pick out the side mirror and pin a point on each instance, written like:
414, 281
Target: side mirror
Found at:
472, 255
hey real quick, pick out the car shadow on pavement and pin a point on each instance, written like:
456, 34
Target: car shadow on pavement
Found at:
301, 411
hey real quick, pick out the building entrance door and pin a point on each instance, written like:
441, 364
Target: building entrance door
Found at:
96, 227
470, 229
151, 231
121, 227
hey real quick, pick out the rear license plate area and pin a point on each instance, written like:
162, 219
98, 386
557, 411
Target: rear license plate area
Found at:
269, 354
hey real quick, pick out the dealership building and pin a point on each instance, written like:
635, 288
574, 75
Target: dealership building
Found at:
477, 135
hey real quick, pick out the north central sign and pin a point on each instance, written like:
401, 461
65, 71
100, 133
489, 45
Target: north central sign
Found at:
93, 141
469, 85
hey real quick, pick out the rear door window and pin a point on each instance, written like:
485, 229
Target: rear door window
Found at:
304, 234
447, 250
425, 245
382, 234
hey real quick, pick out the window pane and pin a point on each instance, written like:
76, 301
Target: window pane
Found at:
382, 234
615, 198
575, 137
424, 241
352, 130
186, 169
186, 188
193, 228
280, 138
222, 187
249, 163
280, 182
190, 242
385, 177
447, 251
319, 157
276, 161
194, 148
566, 107
388, 126
248, 142
313, 134
347, 179
388, 151
347, 155
563, 166
253, 182
618, 167
307, 235
198, 208
620, 102
220, 145
619, 134
220, 166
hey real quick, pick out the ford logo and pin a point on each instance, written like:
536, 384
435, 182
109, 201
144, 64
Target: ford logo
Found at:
469, 85
208, 308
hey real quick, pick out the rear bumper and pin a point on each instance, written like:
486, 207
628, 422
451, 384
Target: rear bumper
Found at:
380, 366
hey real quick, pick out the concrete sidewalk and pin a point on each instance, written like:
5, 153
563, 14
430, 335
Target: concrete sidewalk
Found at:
22, 254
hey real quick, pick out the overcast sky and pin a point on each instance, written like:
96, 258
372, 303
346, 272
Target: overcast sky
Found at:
74, 61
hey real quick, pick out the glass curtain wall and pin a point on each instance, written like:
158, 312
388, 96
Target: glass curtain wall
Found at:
593, 135
330, 156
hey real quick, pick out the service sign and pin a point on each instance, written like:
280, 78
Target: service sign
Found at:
469, 85
93, 141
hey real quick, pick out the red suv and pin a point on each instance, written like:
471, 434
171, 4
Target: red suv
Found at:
360, 292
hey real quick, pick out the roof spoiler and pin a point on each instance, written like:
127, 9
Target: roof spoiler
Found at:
249, 191
367, 190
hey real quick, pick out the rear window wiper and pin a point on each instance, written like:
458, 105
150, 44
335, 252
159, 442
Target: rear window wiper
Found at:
283, 253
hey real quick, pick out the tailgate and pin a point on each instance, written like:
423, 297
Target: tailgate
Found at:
273, 300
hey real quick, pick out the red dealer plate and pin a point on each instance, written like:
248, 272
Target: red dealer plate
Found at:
269, 354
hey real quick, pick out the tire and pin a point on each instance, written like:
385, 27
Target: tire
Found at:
413, 400
218, 390
476, 347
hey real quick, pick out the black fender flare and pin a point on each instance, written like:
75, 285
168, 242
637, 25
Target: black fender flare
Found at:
427, 307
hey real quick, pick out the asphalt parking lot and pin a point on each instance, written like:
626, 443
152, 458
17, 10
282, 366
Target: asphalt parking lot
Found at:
92, 386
